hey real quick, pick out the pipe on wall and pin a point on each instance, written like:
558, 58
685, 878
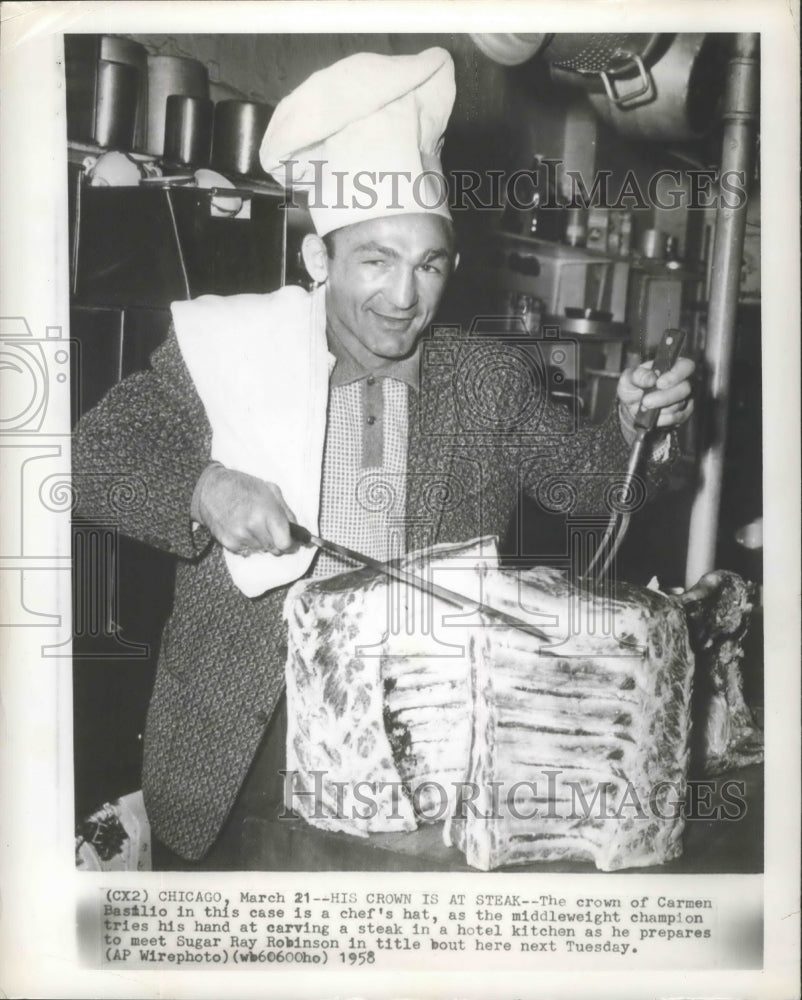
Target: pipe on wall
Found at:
741, 102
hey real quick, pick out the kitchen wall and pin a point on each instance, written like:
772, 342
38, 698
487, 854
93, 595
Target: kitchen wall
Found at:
261, 67
267, 67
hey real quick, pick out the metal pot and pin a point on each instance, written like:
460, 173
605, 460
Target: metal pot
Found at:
688, 82
653, 244
188, 130
107, 90
117, 98
239, 127
170, 75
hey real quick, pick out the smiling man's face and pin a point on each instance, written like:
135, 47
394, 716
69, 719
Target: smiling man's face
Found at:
385, 280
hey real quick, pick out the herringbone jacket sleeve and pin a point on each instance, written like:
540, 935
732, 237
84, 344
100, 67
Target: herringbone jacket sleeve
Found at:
138, 454
575, 461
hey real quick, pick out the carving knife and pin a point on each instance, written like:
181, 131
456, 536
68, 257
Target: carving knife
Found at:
457, 600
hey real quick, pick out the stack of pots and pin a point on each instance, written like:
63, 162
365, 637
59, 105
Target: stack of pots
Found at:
177, 77
238, 130
186, 128
121, 98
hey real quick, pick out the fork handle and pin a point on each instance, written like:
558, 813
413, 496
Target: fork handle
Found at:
667, 353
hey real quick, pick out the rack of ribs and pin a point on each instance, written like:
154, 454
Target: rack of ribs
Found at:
404, 710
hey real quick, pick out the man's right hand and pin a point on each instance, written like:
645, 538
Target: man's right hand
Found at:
245, 514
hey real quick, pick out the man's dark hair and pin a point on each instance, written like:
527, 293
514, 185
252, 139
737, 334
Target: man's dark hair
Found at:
328, 242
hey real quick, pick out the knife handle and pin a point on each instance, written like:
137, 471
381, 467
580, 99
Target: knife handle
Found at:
667, 353
300, 534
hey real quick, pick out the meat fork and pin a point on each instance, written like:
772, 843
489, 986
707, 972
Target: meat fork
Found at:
667, 353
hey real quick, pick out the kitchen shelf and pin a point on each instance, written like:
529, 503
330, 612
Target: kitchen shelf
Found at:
562, 251
660, 269
558, 274
589, 329
78, 151
582, 255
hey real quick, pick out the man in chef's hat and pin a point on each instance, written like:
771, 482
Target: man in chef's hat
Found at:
310, 406
362, 140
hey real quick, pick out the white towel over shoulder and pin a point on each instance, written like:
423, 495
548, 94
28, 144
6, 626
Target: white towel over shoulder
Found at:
261, 367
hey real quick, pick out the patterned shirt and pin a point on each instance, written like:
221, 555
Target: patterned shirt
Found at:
363, 497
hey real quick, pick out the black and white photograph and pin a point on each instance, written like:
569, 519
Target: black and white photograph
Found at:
401, 441
587, 239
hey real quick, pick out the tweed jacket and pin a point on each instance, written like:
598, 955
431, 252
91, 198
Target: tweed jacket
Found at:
481, 431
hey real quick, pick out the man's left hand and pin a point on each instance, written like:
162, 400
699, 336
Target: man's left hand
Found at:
672, 393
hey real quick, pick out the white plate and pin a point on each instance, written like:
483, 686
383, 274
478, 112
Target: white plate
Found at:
221, 204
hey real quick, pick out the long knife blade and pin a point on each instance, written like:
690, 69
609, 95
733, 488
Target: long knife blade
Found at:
451, 597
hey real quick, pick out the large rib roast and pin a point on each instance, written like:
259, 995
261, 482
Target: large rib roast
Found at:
403, 709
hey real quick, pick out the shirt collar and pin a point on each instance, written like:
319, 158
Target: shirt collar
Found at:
347, 369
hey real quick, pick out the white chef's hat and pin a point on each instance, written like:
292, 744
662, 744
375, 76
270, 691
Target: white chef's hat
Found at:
363, 138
